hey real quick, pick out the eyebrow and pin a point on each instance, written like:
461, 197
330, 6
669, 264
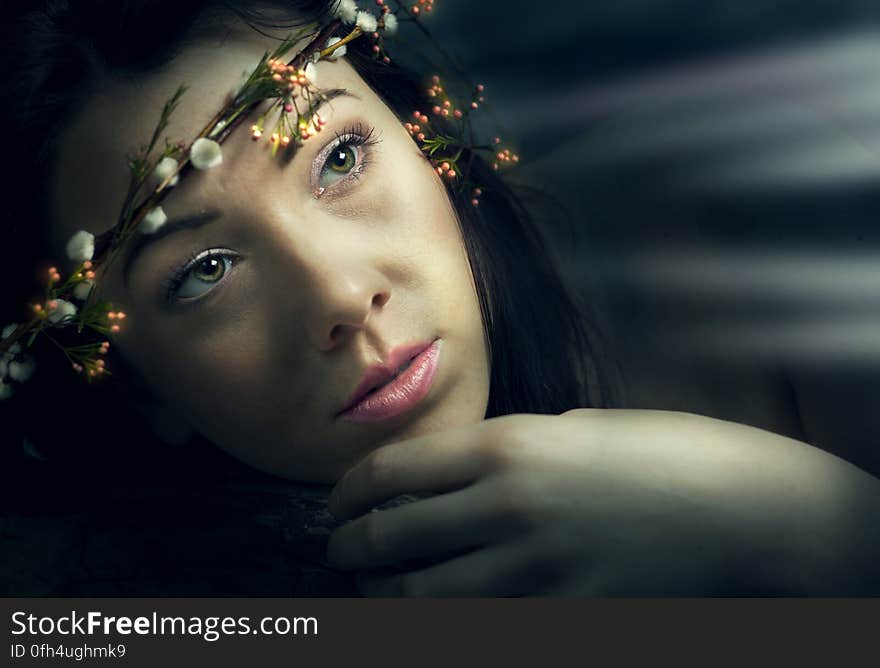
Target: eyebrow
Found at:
142, 241
198, 220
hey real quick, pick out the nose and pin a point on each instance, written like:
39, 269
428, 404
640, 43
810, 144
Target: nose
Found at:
344, 303
334, 281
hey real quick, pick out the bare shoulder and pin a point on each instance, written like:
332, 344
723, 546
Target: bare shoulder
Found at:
631, 413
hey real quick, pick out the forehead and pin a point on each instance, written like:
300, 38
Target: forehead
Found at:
90, 176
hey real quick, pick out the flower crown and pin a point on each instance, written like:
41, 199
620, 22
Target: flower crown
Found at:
292, 86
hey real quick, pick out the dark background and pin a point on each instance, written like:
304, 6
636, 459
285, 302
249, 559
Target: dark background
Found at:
718, 164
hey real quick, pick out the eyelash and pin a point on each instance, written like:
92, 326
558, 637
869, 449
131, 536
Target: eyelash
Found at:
179, 273
358, 135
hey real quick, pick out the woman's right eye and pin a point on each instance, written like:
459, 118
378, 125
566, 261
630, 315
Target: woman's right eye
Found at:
198, 276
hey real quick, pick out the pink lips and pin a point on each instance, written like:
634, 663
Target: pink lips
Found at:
381, 395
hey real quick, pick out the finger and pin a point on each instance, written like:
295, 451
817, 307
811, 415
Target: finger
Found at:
436, 527
500, 570
436, 462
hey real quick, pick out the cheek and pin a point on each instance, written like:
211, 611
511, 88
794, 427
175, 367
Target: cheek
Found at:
232, 390
415, 213
428, 233
208, 370
440, 239
440, 254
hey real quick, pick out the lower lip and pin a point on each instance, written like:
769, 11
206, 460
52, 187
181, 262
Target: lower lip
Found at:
402, 393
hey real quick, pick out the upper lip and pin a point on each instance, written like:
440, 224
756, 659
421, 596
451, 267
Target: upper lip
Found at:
379, 374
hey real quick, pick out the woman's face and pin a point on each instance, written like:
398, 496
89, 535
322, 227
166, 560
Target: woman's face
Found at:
256, 320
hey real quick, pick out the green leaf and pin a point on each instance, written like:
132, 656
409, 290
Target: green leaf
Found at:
167, 110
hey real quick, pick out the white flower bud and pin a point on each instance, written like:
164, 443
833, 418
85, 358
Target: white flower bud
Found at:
7, 331
22, 370
166, 167
81, 246
205, 153
154, 220
346, 10
367, 22
62, 313
391, 24
341, 51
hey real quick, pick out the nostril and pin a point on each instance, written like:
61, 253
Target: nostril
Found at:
381, 298
336, 332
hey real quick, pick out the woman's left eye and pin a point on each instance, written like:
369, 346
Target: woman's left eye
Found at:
339, 164
344, 159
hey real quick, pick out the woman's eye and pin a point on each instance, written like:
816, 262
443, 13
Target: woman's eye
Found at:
343, 159
200, 277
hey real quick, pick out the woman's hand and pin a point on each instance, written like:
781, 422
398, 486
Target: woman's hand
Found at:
608, 502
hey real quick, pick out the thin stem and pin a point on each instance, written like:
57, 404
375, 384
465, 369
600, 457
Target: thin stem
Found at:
459, 70
62, 348
353, 35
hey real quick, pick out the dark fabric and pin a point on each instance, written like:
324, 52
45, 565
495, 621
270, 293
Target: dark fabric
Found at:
227, 537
